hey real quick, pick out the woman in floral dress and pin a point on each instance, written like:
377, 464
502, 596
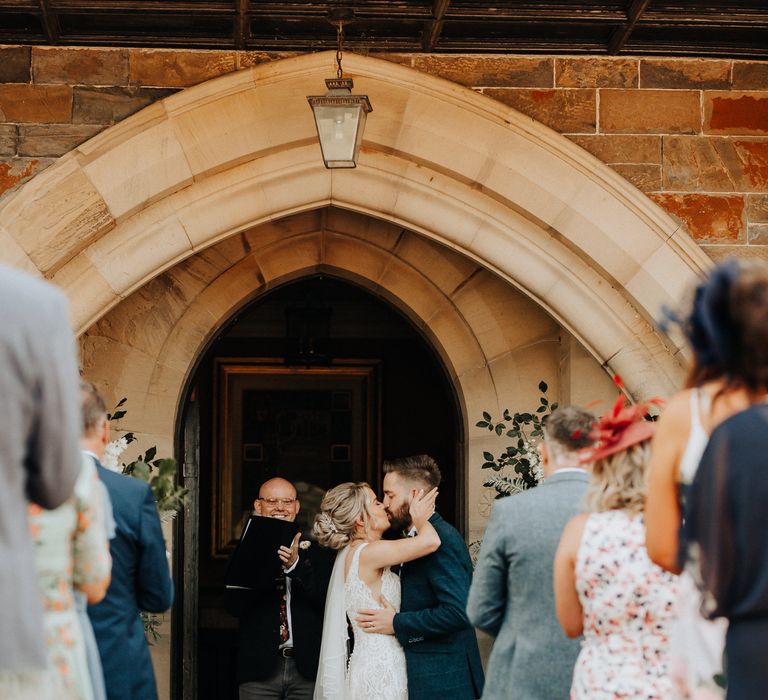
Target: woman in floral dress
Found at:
71, 552
606, 587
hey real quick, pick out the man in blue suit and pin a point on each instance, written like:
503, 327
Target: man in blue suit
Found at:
140, 575
440, 646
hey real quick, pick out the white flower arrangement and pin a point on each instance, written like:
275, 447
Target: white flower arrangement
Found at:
112, 453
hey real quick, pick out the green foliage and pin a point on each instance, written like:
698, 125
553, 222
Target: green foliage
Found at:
151, 622
117, 415
160, 474
517, 465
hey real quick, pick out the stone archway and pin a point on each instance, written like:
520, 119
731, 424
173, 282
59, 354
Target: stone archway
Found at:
438, 159
494, 342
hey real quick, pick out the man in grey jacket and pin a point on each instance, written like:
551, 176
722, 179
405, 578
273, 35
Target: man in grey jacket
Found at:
39, 452
511, 596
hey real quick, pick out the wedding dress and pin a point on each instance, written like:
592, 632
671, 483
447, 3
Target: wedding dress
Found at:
376, 669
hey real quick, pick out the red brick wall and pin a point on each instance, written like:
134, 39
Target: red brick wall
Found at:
692, 134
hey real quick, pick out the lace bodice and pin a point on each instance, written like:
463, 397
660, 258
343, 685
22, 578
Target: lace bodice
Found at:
377, 665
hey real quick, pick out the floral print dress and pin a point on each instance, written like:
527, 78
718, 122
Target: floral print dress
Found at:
70, 548
629, 607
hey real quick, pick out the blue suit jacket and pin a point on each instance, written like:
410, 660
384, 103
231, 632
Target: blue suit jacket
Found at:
440, 645
140, 581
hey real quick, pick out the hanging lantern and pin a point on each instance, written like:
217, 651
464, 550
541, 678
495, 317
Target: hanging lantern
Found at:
340, 117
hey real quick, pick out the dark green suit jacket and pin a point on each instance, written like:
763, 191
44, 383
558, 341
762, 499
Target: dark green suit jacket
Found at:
440, 644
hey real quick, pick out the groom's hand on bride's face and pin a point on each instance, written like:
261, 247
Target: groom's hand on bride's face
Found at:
377, 621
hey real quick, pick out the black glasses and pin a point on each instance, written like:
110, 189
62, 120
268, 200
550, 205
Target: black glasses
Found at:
278, 501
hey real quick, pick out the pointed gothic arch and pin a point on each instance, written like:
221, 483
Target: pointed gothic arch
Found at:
437, 159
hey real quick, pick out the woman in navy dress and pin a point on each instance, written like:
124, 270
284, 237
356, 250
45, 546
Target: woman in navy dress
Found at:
725, 523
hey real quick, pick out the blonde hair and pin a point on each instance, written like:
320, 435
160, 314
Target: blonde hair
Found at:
341, 507
618, 480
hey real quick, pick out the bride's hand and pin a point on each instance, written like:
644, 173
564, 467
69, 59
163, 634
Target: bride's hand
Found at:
422, 506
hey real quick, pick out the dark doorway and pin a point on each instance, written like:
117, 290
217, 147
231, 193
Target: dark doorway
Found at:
321, 373
315, 426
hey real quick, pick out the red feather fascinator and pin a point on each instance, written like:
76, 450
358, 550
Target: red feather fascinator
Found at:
620, 427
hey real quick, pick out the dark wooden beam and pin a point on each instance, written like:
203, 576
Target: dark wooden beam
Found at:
258, 41
757, 51
149, 40
50, 23
706, 17
370, 9
538, 11
752, 22
620, 36
433, 29
159, 7
242, 25
520, 46
737, 28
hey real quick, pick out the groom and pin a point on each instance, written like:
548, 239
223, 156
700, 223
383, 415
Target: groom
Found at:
440, 645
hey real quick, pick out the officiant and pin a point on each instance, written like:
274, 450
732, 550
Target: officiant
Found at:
281, 620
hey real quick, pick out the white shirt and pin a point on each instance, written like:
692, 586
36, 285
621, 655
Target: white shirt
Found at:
106, 502
565, 470
289, 642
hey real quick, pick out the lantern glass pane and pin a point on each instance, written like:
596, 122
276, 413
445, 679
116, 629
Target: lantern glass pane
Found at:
339, 133
360, 131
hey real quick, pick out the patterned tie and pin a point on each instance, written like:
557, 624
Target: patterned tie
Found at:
282, 590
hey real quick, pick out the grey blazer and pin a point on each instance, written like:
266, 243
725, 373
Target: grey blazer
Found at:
512, 597
39, 447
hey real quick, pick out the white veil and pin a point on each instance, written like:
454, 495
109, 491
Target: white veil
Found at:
331, 683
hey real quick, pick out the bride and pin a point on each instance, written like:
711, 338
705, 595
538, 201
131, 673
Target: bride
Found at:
352, 520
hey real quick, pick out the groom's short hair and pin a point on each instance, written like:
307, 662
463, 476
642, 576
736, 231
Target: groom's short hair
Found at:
421, 468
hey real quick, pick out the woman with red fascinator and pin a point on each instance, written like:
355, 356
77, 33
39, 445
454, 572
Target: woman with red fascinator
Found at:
606, 587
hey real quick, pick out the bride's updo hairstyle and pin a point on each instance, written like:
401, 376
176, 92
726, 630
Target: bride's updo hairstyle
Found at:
341, 507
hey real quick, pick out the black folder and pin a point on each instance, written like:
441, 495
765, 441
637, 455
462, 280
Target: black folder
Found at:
254, 565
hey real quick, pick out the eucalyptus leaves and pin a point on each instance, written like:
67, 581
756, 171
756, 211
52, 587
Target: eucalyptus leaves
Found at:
160, 474
518, 466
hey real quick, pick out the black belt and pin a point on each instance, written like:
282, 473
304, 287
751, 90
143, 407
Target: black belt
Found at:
285, 652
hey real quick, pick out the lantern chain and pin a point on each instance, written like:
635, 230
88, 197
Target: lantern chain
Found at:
339, 42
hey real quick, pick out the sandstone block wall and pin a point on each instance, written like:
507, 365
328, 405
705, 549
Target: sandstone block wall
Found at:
692, 134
